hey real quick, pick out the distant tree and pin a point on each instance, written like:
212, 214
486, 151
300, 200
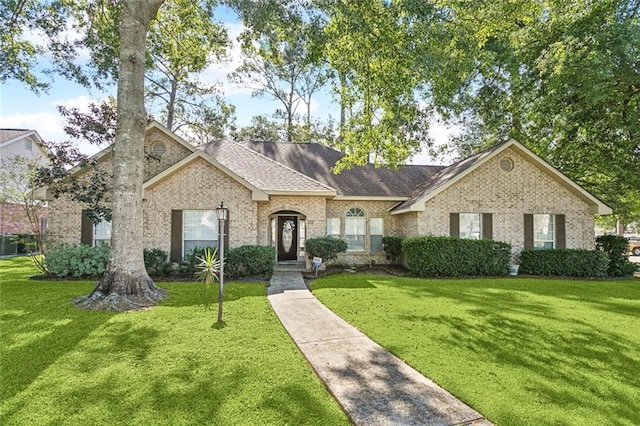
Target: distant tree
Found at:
280, 56
183, 42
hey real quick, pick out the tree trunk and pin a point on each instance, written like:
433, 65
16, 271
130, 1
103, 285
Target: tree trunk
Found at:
126, 284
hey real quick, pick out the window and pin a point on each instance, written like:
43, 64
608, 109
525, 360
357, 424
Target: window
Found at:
355, 229
102, 233
200, 229
302, 235
28, 144
333, 227
471, 226
376, 231
543, 231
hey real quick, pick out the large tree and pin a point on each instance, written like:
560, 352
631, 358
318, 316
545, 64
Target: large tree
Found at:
126, 284
378, 51
563, 77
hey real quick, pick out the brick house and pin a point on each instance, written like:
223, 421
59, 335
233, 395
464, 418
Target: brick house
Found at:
28, 145
280, 194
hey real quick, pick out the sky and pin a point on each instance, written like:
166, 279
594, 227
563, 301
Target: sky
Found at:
21, 108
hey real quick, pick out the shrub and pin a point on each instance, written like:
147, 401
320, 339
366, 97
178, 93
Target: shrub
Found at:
564, 262
77, 260
326, 248
188, 266
392, 246
453, 257
156, 262
615, 247
249, 261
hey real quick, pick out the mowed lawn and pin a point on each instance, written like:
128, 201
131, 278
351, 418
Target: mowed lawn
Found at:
521, 351
167, 365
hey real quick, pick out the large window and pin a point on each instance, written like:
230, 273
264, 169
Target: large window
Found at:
543, 231
102, 233
200, 229
355, 229
471, 226
376, 232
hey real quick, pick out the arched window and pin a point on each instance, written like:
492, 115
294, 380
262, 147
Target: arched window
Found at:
355, 229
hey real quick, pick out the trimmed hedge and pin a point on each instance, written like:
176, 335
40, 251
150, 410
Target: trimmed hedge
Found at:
77, 261
455, 257
392, 246
327, 248
616, 248
249, 261
564, 262
156, 261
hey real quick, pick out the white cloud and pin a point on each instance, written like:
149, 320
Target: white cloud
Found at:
48, 125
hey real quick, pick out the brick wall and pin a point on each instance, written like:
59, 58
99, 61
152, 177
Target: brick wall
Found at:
174, 152
372, 209
198, 186
508, 195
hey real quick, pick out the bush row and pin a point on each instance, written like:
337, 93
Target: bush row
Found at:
76, 260
453, 257
616, 247
84, 261
564, 262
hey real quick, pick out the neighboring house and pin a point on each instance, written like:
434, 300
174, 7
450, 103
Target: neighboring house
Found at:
28, 145
281, 192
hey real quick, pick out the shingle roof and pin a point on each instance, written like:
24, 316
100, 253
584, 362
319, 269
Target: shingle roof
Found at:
8, 134
316, 161
261, 171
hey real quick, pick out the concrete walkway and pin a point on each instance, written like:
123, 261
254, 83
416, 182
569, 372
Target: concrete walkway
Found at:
373, 386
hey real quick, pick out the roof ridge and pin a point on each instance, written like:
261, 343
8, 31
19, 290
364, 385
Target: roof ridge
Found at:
280, 164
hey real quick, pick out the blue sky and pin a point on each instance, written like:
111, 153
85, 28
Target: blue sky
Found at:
21, 108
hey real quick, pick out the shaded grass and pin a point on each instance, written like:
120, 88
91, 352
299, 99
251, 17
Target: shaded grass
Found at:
167, 365
521, 351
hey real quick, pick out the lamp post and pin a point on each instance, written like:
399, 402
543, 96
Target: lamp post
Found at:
222, 213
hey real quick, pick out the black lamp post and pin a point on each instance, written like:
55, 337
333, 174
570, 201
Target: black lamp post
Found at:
222, 213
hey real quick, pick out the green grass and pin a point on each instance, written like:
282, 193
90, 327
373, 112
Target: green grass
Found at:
166, 365
521, 351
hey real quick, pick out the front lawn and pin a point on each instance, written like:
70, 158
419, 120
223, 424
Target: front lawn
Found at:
166, 365
521, 351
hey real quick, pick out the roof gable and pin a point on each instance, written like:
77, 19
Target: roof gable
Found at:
270, 176
452, 174
256, 193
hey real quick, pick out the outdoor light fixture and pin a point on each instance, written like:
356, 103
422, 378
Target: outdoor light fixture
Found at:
222, 213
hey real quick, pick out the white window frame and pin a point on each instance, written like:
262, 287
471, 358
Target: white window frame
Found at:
544, 231
359, 217
207, 219
379, 233
101, 233
470, 226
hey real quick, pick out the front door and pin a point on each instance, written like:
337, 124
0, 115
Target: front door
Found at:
287, 238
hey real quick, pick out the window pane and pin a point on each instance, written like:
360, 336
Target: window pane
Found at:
470, 227
376, 243
355, 242
543, 231
355, 229
333, 226
376, 226
102, 231
302, 233
200, 229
